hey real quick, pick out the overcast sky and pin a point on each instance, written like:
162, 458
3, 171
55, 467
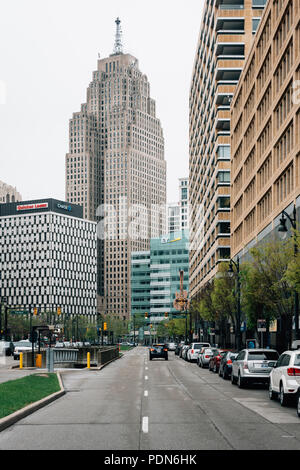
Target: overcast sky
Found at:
49, 50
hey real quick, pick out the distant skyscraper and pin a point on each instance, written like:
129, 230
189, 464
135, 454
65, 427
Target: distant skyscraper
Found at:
178, 213
9, 193
116, 159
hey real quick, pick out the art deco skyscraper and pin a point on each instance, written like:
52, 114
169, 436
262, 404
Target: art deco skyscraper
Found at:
116, 161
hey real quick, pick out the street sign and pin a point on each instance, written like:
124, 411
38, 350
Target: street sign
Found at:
261, 326
18, 312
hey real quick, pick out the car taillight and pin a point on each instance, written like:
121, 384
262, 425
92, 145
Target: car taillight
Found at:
165, 350
151, 349
206, 357
246, 366
293, 371
192, 351
218, 357
229, 361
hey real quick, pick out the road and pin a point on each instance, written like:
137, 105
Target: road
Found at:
135, 404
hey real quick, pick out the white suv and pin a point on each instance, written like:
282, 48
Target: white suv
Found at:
194, 350
285, 377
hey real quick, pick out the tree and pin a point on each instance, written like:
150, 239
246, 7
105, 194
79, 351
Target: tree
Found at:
266, 291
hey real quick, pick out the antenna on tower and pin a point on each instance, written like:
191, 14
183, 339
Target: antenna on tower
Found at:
118, 49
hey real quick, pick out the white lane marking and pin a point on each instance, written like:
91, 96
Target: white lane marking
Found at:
145, 426
146, 377
146, 393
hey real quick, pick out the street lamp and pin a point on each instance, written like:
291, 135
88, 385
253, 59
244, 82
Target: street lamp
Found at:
238, 315
283, 231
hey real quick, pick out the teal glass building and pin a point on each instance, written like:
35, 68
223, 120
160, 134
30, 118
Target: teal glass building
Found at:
155, 277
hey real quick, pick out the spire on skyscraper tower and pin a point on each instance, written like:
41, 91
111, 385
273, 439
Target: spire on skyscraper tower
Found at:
118, 49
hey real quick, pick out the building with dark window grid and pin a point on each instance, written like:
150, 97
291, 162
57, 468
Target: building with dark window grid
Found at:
48, 257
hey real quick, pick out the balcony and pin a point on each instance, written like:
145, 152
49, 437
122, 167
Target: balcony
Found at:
230, 4
228, 25
230, 51
228, 75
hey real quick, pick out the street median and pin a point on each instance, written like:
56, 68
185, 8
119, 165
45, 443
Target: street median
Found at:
19, 398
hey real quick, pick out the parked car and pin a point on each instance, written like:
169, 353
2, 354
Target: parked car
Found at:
226, 364
158, 351
253, 365
171, 346
184, 351
214, 362
194, 350
285, 378
205, 355
23, 346
183, 348
6, 348
59, 344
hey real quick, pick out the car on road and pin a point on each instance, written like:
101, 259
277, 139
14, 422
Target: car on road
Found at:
183, 347
205, 355
178, 348
214, 362
171, 346
194, 350
158, 351
253, 365
6, 348
23, 346
184, 351
226, 364
285, 378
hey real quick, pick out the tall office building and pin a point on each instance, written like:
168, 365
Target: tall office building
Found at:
226, 35
178, 213
48, 257
116, 160
265, 135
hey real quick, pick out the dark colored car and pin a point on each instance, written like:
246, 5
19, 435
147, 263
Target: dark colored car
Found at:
226, 364
214, 362
7, 348
158, 351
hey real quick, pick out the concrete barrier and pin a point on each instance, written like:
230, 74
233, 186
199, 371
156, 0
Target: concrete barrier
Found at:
68, 358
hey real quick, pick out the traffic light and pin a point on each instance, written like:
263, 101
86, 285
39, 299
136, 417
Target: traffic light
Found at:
105, 326
35, 311
58, 311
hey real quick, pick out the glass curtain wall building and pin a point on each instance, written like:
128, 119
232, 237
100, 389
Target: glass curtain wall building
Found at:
155, 276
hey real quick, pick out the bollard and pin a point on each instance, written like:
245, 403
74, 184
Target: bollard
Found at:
88, 360
38, 361
21, 360
50, 360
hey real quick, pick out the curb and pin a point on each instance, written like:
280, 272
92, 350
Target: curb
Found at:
29, 409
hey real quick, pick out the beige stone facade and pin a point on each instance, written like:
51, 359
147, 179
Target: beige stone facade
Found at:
226, 34
265, 125
9, 193
116, 159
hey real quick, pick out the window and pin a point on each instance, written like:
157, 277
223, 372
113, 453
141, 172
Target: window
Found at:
224, 176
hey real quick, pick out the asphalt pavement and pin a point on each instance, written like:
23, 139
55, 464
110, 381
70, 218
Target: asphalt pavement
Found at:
135, 404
